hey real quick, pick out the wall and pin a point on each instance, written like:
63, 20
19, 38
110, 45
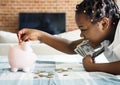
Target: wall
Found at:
9, 10
118, 2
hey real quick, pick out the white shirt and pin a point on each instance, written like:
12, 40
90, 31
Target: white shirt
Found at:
112, 52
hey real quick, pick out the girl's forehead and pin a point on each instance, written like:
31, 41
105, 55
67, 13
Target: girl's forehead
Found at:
82, 18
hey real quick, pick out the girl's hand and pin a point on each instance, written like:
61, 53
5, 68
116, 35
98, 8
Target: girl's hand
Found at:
28, 34
88, 62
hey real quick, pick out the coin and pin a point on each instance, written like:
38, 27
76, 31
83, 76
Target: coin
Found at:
49, 76
35, 77
41, 75
64, 70
69, 68
65, 75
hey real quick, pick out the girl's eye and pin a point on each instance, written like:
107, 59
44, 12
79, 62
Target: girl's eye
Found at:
83, 30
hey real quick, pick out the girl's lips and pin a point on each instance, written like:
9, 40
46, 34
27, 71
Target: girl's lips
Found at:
84, 38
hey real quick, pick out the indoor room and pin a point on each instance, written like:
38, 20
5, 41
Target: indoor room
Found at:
59, 42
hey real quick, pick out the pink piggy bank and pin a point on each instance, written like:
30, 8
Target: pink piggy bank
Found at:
21, 57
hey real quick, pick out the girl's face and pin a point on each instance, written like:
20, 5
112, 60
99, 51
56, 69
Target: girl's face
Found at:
95, 33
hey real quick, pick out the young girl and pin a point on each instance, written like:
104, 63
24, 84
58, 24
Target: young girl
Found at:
98, 21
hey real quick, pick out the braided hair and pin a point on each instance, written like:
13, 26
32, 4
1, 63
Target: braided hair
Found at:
97, 9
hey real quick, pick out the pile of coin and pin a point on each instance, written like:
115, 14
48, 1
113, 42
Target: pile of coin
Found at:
60, 70
43, 74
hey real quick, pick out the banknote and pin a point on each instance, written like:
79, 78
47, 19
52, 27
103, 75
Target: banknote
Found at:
85, 48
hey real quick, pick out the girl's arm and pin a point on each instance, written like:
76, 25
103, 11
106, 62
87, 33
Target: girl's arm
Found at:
113, 67
58, 43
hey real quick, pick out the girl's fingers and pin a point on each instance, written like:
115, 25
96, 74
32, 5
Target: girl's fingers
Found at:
20, 35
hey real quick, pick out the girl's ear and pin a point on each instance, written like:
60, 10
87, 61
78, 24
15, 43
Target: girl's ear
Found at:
105, 23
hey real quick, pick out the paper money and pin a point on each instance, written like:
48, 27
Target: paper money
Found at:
85, 48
